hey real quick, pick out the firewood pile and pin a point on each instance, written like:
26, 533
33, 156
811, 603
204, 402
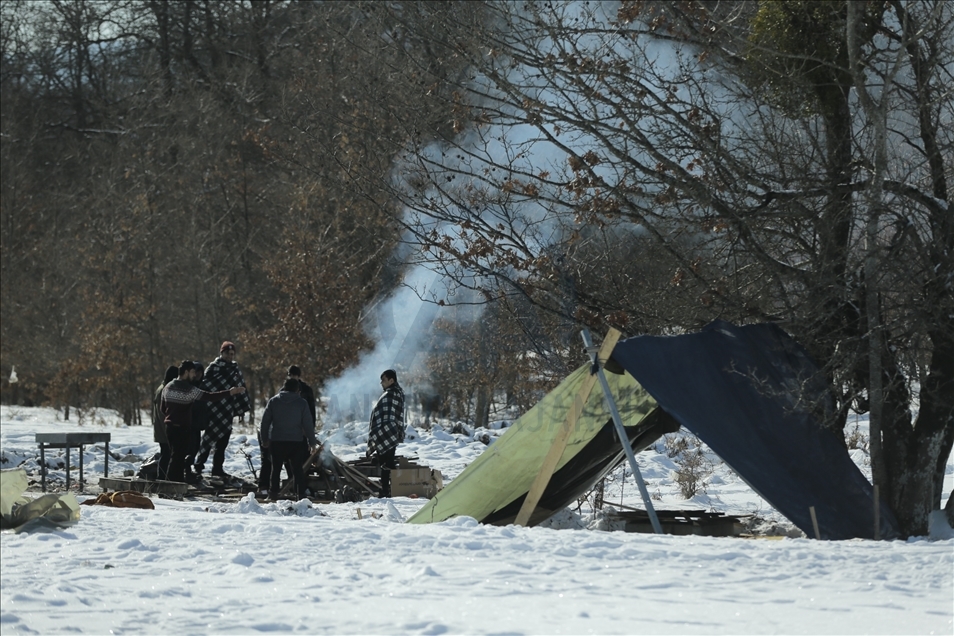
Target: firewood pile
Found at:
331, 479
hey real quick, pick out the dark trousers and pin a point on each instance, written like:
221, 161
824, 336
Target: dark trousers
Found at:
265, 476
386, 462
165, 454
193, 446
179, 440
293, 452
218, 457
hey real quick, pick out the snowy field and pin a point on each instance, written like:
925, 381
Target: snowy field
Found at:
200, 567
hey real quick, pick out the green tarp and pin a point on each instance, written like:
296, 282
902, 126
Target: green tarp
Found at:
505, 471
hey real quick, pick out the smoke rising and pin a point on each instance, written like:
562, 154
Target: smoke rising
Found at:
444, 186
400, 326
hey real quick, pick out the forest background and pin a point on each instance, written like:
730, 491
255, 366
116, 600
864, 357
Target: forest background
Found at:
175, 174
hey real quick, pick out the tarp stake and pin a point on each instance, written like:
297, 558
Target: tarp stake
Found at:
621, 431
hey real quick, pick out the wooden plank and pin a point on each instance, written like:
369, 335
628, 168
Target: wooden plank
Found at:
357, 477
143, 485
559, 443
811, 510
71, 439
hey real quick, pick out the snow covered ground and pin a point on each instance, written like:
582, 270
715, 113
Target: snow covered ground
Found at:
238, 568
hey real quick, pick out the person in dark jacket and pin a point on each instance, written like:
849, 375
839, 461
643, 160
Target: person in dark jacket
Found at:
306, 392
286, 424
387, 428
221, 374
158, 423
264, 478
176, 404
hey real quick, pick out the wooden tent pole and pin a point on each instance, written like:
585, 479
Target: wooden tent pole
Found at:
621, 433
559, 443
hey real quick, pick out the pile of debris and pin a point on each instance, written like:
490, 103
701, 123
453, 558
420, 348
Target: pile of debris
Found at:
329, 480
409, 479
697, 522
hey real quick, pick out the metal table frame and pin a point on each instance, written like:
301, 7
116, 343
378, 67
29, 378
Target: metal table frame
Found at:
68, 441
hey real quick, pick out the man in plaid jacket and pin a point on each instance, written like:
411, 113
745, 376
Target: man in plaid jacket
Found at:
387, 428
221, 374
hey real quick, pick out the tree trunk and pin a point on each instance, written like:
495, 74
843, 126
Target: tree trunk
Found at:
915, 456
913, 495
947, 441
836, 319
482, 414
916, 474
949, 510
161, 12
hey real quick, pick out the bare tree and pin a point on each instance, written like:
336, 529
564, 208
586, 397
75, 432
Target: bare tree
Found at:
180, 173
785, 161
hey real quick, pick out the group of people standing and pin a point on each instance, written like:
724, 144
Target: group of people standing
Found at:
287, 433
194, 408
193, 411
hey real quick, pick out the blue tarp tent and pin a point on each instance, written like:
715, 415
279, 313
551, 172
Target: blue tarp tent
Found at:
756, 398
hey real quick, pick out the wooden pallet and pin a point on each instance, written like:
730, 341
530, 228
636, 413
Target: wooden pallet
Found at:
681, 522
158, 487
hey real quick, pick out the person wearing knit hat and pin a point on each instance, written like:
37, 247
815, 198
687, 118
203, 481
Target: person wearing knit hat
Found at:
222, 373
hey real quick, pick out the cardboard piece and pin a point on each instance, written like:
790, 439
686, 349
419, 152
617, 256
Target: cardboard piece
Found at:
411, 479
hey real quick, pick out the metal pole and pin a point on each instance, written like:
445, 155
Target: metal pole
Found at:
67, 464
43, 466
621, 431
